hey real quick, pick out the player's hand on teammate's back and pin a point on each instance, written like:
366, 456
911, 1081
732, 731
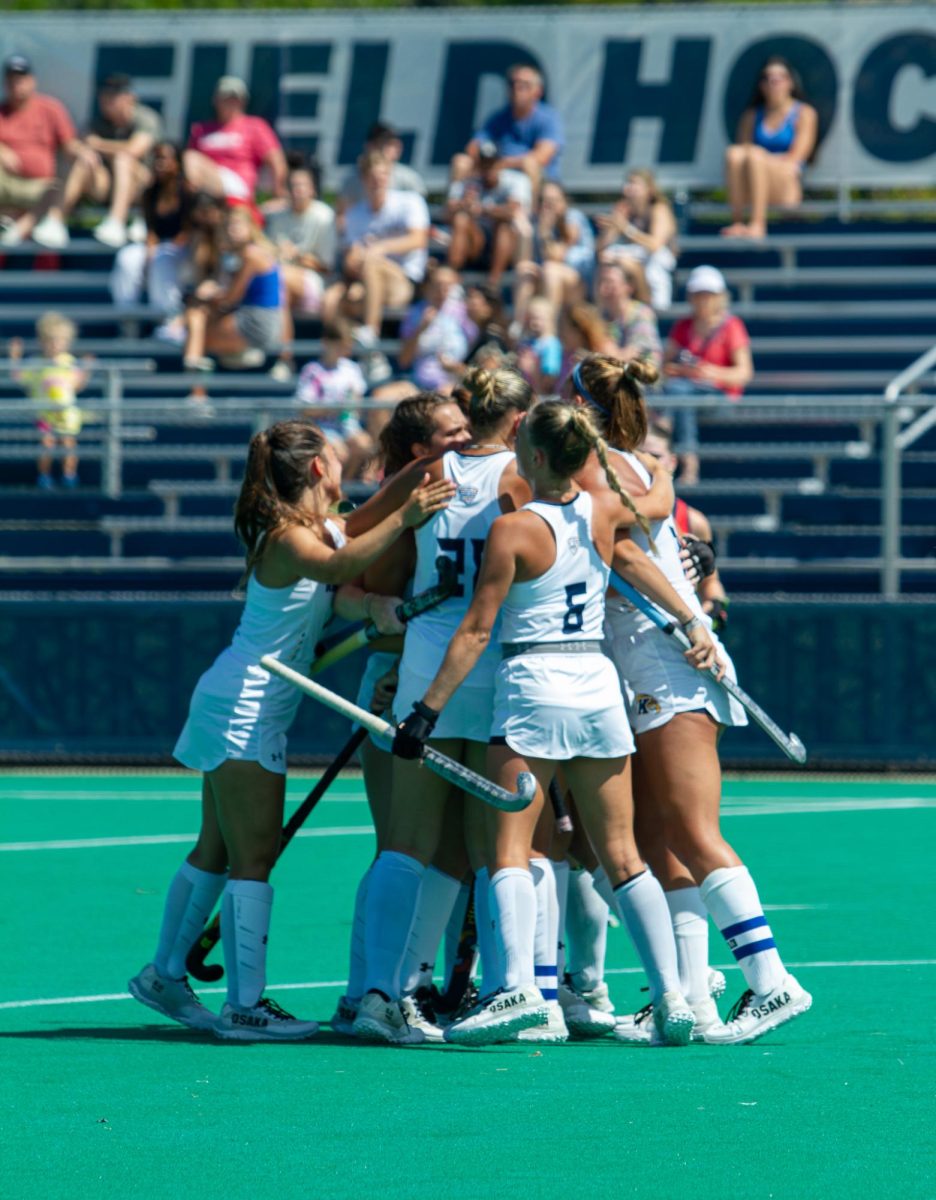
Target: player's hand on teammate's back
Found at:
414, 731
428, 499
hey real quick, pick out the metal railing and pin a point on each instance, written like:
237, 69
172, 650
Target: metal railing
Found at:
894, 442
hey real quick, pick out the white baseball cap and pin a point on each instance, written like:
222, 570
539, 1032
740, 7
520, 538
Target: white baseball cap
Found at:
231, 85
706, 279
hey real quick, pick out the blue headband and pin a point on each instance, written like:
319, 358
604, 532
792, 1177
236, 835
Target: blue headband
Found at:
583, 390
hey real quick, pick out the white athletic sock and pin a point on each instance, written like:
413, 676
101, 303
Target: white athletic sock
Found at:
546, 933
245, 924
453, 931
437, 898
357, 966
643, 905
587, 929
513, 907
602, 885
492, 975
690, 929
392, 896
561, 872
192, 895
731, 897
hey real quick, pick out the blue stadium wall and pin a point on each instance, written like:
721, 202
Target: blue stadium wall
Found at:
111, 678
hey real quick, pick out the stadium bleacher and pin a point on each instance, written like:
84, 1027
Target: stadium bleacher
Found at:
793, 488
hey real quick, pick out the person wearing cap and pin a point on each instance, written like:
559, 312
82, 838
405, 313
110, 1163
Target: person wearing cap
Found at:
527, 132
121, 139
488, 211
33, 128
225, 156
385, 140
708, 353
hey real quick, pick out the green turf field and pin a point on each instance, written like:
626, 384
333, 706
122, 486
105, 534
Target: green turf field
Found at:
102, 1098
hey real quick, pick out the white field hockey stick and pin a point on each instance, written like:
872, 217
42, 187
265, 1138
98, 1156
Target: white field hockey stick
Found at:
789, 743
454, 772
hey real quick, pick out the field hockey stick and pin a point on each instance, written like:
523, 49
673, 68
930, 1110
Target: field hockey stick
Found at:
789, 743
195, 961
327, 655
460, 978
468, 780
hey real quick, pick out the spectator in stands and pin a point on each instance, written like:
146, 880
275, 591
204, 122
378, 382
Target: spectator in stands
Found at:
624, 301
563, 258
436, 329
641, 226
385, 252
709, 354
306, 242
330, 391
527, 132
489, 341
244, 319
121, 140
776, 138
225, 156
582, 331
539, 352
162, 263
383, 139
52, 384
488, 212
33, 128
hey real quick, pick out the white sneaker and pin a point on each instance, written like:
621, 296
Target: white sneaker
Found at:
752, 1016
265, 1022
136, 231
417, 1017
343, 1019
9, 232
376, 368
674, 1019
587, 1014
51, 233
198, 362
638, 1028
171, 997
555, 1030
717, 984
499, 1016
282, 372
110, 232
380, 1020
706, 1018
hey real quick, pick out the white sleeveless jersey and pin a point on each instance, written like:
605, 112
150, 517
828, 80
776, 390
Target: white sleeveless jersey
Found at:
285, 622
458, 532
566, 602
666, 537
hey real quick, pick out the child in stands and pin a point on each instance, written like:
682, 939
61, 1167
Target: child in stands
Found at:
330, 390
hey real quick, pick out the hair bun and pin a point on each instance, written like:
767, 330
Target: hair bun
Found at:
642, 369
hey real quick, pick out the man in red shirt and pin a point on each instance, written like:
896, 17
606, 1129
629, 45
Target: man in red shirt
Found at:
33, 128
707, 353
224, 157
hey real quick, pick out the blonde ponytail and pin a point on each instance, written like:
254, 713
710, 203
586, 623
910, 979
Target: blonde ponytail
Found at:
493, 394
614, 483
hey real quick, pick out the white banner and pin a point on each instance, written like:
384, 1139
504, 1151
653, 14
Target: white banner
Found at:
659, 88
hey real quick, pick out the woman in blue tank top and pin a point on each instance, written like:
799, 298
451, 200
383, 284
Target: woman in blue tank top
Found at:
776, 137
245, 318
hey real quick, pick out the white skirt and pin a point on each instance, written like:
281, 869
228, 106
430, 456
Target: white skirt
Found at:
657, 681
467, 714
560, 707
238, 711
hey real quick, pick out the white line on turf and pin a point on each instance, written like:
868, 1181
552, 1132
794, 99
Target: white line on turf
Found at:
165, 839
336, 983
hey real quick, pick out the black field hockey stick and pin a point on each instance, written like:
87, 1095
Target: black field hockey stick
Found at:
195, 961
460, 979
326, 655
789, 743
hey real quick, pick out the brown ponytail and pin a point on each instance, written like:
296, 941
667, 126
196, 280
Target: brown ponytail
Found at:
276, 474
493, 394
567, 434
613, 388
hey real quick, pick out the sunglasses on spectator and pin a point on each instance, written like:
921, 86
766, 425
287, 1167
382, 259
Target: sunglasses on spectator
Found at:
774, 77
522, 83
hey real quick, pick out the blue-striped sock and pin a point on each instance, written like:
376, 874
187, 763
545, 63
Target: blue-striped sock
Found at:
546, 941
731, 897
